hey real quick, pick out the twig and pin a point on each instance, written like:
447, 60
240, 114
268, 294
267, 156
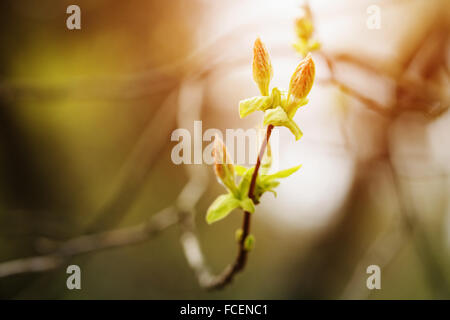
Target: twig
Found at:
332, 80
432, 269
137, 166
227, 276
90, 243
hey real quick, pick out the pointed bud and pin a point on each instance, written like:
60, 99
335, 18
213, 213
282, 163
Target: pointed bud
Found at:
262, 67
223, 166
302, 79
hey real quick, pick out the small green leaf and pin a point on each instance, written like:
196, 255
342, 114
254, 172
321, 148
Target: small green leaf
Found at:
247, 205
282, 174
301, 46
263, 184
314, 45
258, 194
276, 97
249, 242
269, 185
276, 117
221, 207
304, 45
250, 105
244, 184
293, 107
279, 117
291, 125
240, 170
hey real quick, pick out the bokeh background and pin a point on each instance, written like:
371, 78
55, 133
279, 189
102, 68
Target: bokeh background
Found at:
86, 118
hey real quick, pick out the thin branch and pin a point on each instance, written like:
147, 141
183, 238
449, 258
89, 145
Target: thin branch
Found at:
227, 276
432, 269
90, 243
332, 80
137, 166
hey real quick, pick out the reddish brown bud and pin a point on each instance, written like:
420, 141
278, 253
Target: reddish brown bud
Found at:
223, 166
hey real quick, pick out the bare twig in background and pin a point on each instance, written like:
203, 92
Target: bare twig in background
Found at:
189, 109
432, 268
133, 173
91, 243
369, 103
413, 93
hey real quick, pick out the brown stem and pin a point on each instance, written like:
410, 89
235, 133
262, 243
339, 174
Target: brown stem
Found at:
227, 276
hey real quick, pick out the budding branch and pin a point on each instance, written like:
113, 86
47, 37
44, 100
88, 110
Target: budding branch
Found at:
227, 276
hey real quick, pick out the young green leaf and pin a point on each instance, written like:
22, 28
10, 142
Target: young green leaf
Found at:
279, 117
250, 105
247, 205
240, 170
283, 173
244, 184
291, 125
221, 207
276, 97
276, 117
268, 183
262, 185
